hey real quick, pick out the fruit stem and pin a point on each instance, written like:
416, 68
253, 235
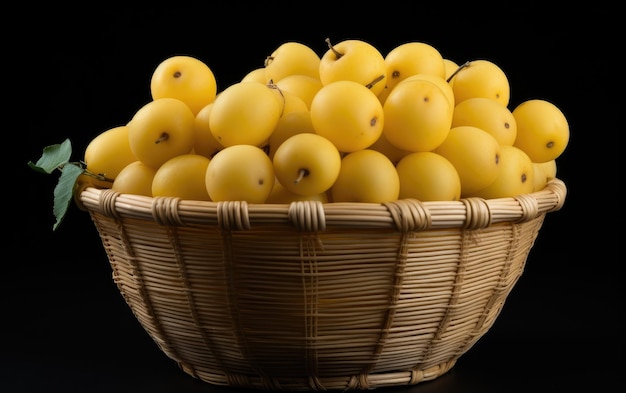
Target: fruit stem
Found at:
273, 85
302, 173
98, 176
375, 81
466, 64
164, 136
86, 171
332, 48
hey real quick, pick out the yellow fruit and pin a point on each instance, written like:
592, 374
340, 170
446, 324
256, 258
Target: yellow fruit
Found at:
366, 176
85, 180
182, 176
428, 176
307, 164
549, 167
451, 67
417, 115
515, 177
160, 130
348, 114
109, 152
488, 115
291, 58
204, 142
244, 113
304, 86
288, 101
354, 60
185, 78
542, 130
240, 173
544, 172
413, 58
288, 125
481, 78
475, 154
382, 96
445, 86
280, 194
135, 178
255, 75
392, 152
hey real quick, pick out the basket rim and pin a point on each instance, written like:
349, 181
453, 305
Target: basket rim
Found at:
404, 214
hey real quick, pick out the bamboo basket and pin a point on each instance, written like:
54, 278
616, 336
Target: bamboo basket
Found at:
317, 296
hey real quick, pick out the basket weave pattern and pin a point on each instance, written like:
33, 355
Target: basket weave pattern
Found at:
312, 296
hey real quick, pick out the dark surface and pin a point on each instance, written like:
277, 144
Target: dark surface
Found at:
66, 328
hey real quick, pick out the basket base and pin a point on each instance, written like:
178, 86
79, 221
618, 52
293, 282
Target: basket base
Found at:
320, 383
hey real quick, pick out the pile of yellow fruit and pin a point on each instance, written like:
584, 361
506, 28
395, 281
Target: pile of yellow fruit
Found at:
351, 125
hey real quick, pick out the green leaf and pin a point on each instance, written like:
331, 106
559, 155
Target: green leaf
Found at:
53, 157
63, 192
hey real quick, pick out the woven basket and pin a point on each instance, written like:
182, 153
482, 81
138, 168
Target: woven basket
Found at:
312, 296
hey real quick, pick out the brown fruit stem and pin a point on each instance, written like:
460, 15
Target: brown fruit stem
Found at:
466, 64
164, 136
302, 173
375, 81
331, 47
87, 172
273, 85
98, 176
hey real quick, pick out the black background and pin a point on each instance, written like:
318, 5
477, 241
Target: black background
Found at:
77, 72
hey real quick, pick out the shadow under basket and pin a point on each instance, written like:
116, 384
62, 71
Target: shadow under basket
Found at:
317, 296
